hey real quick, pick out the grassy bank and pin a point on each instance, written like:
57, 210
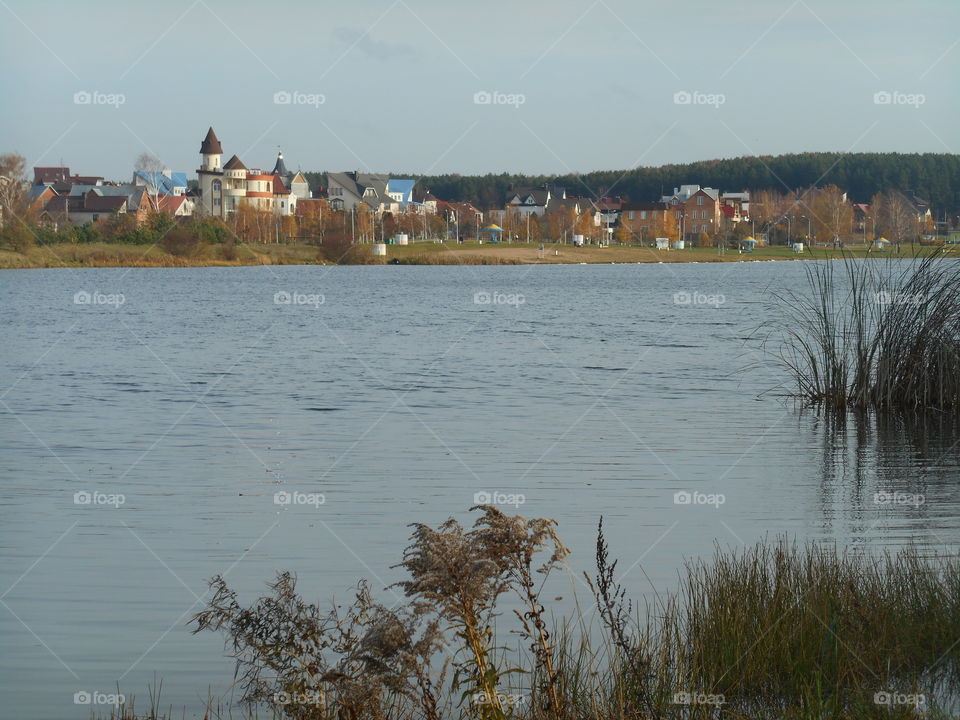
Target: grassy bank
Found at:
101, 254
772, 631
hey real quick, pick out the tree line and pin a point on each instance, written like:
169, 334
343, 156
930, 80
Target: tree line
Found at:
933, 176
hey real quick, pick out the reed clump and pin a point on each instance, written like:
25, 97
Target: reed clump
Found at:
874, 334
776, 630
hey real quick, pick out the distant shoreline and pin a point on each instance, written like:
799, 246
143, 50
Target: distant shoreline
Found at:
422, 253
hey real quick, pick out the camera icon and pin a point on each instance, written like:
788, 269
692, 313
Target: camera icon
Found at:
682, 497
482, 498
81, 298
482, 298
82, 497
482, 97
282, 97
282, 298
281, 698
282, 497
682, 298
881, 698
82, 697
883, 298
682, 97
82, 97
882, 97
681, 698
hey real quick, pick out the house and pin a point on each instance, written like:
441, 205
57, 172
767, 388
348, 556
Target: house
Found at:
82, 209
224, 189
349, 190
401, 190
646, 220
735, 206
527, 200
609, 210
61, 176
696, 209
300, 187
161, 183
424, 202
39, 196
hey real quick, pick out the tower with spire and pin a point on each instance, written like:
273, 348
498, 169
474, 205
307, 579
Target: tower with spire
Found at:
210, 175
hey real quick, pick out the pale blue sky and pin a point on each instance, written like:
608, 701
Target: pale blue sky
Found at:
398, 81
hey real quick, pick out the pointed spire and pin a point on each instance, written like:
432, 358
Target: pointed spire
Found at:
210, 144
280, 169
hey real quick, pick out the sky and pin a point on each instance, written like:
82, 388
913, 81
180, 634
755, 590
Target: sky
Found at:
414, 86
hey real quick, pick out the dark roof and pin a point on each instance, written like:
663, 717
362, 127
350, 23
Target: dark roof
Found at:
86, 179
234, 164
279, 168
644, 206
210, 144
537, 194
92, 202
50, 175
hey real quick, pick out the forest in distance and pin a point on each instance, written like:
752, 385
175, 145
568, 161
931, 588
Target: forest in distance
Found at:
933, 176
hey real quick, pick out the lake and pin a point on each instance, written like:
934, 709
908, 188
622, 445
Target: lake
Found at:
161, 426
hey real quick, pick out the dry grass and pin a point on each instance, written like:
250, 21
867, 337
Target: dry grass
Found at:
424, 253
773, 631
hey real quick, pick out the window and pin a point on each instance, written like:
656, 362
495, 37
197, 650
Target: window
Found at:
700, 200
216, 202
643, 214
630, 215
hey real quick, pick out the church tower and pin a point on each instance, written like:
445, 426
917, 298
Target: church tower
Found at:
210, 175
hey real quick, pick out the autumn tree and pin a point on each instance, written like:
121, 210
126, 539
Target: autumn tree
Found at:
896, 217
15, 208
832, 215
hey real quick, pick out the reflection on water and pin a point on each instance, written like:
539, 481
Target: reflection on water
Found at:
398, 399
890, 474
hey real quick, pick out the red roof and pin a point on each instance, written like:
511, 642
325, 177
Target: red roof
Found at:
47, 175
170, 204
278, 187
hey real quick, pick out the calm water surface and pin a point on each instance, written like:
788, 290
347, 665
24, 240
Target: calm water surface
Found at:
397, 399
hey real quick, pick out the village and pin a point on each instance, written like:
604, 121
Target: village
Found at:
254, 205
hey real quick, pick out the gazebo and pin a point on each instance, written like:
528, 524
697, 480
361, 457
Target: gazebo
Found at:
748, 244
492, 231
